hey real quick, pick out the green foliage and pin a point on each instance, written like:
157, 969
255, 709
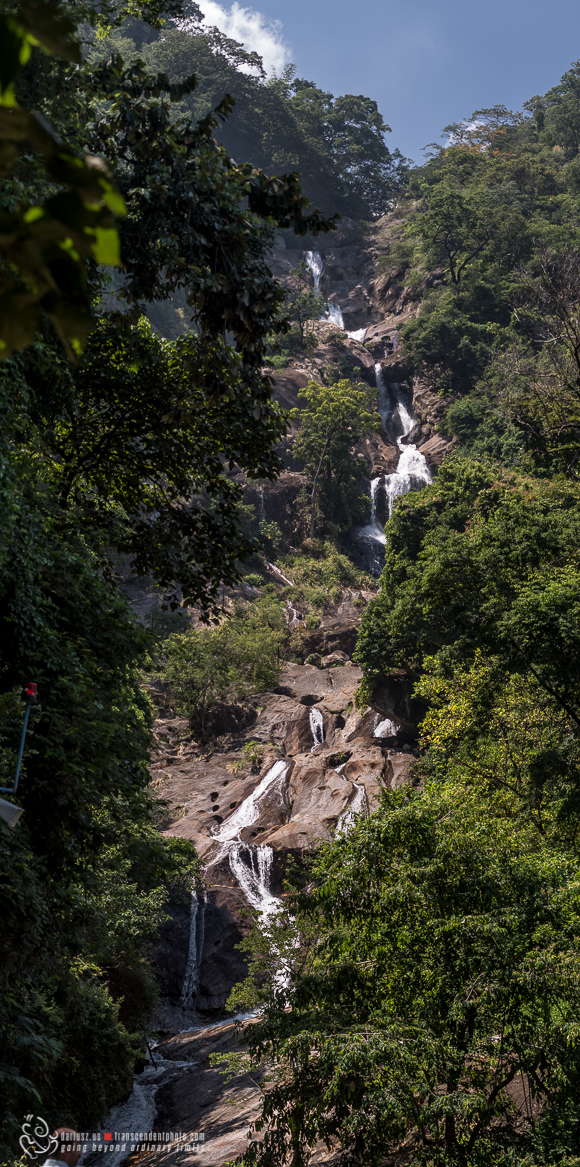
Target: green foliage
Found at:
239, 657
303, 304
73, 936
135, 440
126, 457
488, 207
438, 970
322, 567
253, 753
286, 123
480, 560
46, 244
271, 537
330, 424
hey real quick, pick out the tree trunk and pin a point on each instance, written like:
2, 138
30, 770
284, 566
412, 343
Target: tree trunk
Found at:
314, 484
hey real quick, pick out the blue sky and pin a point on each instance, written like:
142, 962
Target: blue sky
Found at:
425, 62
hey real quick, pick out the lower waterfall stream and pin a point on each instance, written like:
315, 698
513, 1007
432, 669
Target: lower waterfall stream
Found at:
412, 471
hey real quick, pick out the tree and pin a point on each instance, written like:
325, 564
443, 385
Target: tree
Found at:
281, 123
302, 303
433, 994
335, 416
47, 241
135, 440
540, 380
456, 580
228, 663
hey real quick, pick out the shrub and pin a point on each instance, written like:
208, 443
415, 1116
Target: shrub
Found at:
255, 580
228, 663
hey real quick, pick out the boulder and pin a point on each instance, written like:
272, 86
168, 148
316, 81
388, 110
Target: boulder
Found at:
333, 659
392, 698
436, 449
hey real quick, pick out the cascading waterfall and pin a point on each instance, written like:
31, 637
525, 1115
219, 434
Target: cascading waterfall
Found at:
335, 314
375, 482
333, 310
412, 470
348, 817
190, 987
252, 867
249, 863
317, 728
248, 810
314, 262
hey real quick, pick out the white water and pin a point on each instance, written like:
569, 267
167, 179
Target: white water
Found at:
190, 987
374, 489
412, 469
332, 310
335, 314
276, 570
249, 810
254, 877
358, 334
314, 262
293, 614
348, 817
317, 728
135, 1117
386, 728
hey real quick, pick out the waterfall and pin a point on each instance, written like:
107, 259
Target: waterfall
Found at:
292, 614
317, 728
412, 469
248, 810
252, 867
374, 489
314, 262
249, 863
196, 937
359, 803
332, 310
335, 314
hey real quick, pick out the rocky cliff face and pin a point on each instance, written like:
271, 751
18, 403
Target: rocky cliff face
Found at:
363, 287
315, 760
330, 759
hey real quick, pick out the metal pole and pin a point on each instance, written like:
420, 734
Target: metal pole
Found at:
14, 788
21, 750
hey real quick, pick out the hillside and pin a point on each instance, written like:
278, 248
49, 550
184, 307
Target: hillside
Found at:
290, 524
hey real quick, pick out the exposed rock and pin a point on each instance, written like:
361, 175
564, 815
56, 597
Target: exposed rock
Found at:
287, 384
436, 450
392, 698
333, 659
276, 501
380, 453
398, 770
297, 811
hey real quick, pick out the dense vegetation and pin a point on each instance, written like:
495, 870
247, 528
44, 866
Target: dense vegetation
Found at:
120, 460
431, 954
278, 123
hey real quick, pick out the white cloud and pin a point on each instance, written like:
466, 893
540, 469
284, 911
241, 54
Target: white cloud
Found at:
256, 32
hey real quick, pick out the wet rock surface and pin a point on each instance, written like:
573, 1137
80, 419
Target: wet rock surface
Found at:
293, 815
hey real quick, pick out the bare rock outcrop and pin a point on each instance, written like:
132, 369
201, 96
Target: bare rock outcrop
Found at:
331, 762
